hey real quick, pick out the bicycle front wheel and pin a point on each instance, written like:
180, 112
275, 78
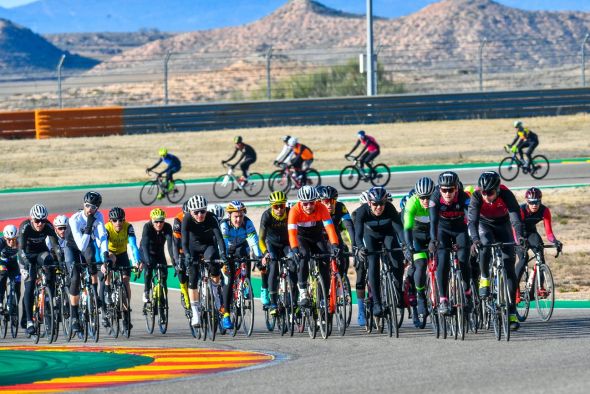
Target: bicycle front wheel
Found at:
279, 180
544, 292
13, 311
394, 301
125, 310
540, 167
508, 168
93, 315
247, 306
150, 317
149, 192
381, 175
350, 177
347, 294
176, 194
321, 307
523, 299
340, 312
211, 318
254, 185
163, 310
504, 298
223, 186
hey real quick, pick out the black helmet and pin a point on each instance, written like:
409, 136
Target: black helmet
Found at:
424, 187
116, 213
238, 139
448, 178
93, 198
489, 180
377, 194
328, 192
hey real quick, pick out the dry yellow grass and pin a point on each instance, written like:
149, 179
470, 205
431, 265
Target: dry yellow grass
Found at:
72, 161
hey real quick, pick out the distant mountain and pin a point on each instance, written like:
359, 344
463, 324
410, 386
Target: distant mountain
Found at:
21, 51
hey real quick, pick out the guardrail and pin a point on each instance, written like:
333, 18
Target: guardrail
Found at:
353, 110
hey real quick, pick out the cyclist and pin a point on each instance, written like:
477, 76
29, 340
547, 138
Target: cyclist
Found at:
217, 210
378, 224
416, 221
121, 234
492, 209
448, 207
359, 267
532, 212
285, 152
247, 158
86, 237
60, 224
8, 262
369, 152
33, 251
156, 233
174, 166
525, 138
300, 159
306, 224
179, 266
201, 238
274, 241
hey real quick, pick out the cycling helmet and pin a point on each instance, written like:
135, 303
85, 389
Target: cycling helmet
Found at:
185, 207
235, 206
217, 210
489, 180
448, 178
364, 197
10, 231
389, 197
116, 213
157, 214
518, 124
424, 187
196, 203
162, 152
321, 190
38, 211
93, 198
60, 221
377, 194
238, 139
533, 195
278, 197
328, 192
285, 138
292, 142
307, 193
361, 134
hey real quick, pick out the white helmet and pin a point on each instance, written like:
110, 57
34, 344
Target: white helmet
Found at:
364, 197
10, 231
217, 210
60, 221
308, 193
38, 211
292, 142
196, 203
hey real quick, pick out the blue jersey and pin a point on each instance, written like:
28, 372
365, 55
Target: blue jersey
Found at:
235, 237
171, 161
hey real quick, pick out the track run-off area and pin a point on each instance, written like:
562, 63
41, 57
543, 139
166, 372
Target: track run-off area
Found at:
547, 357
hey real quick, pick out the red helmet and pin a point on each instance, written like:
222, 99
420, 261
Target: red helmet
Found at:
533, 195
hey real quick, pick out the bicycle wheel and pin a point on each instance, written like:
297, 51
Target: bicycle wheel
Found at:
290, 306
387, 301
540, 167
223, 186
311, 318
112, 312
381, 175
523, 299
321, 307
247, 306
254, 185
269, 320
461, 305
313, 177
340, 312
203, 329
125, 310
64, 306
37, 315
504, 297
347, 293
544, 295
13, 311
177, 194
48, 317
279, 180
163, 310
149, 311
350, 177
508, 168
4, 323
475, 315
431, 292
149, 192
93, 315
212, 315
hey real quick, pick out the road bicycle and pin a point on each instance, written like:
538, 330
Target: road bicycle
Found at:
457, 318
536, 283
118, 303
43, 316
351, 175
286, 317
150, 190
210, 315
62, 301
337, 304
510, 166
227, 183
242, 297
9, 316
286, 178
315, 315
88, 311
157, 304
432, 298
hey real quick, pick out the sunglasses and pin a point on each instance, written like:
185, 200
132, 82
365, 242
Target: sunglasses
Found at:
447, 189
60, 228
158, 221
534, 202
199, 212
38, 221
307, 203
378, 204
90, 206
279, 206
488, 193
328, 200
117, 220
424, 197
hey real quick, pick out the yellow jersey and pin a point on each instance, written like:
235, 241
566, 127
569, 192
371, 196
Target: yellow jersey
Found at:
118, 240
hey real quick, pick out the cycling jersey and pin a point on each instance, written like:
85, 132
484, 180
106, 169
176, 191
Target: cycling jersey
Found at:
77, 239
118, 241
273, 230
236, 237
248, 153
177, 231
310, 226
532, 218
502, 210
342, 219
416, 217
152, 243
449, 215
370, 144
198, 236
301, 151
32, 242
7, 254
388, 223
525, 135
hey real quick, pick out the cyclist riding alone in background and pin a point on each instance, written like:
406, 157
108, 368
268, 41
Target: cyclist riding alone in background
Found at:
370, 150
285, 152
525, 138
300, 158
532, 212
173, 164
8, 262
246, 159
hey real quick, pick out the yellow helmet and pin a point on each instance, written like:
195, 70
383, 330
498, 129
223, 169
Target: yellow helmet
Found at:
278, 197
163, 152
157, 214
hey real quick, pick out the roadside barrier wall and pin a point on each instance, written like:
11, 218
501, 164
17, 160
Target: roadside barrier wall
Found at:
78, 122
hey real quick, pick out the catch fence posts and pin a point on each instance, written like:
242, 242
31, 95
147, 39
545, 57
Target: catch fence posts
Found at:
166, 59
584, 59
480, 70
268, 86
59, 67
